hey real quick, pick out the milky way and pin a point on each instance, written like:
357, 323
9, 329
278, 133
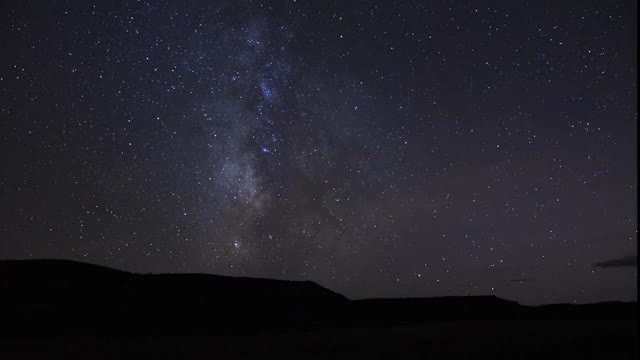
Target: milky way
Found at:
379, 149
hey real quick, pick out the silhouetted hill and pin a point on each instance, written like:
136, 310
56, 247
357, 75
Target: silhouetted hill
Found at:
60, 295
46, 279
46, 296
65, 309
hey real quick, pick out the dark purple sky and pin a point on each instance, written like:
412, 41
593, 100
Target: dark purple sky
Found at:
393, 148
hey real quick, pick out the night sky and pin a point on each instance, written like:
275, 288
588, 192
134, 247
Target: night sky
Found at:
381, 149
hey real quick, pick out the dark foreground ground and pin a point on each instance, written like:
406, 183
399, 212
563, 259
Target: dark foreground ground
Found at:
52, 309
572, 339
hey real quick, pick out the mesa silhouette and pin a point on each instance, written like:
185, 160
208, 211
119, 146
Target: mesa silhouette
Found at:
62, 296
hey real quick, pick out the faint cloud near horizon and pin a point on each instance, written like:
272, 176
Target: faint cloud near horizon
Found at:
625, 261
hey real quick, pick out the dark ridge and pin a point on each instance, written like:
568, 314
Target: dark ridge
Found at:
49, 274
61, 296
60, 266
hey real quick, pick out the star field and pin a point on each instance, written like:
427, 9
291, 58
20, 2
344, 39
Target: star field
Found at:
378, 148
